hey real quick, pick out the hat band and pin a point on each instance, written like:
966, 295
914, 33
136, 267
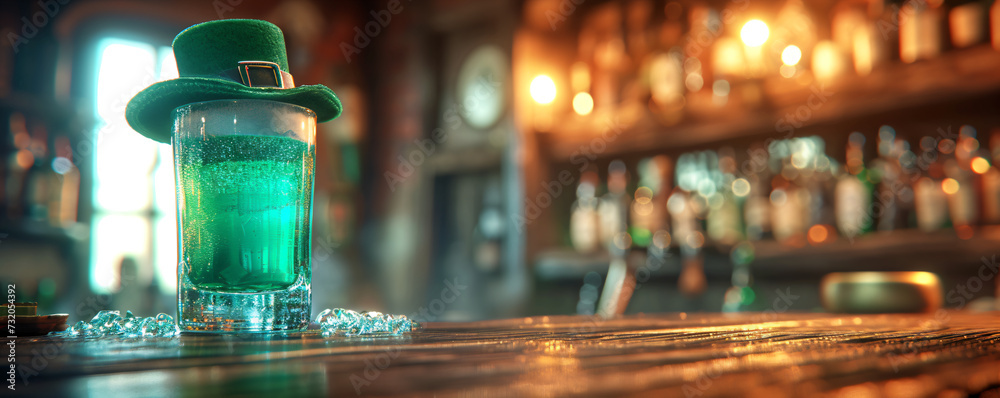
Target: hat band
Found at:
259, 74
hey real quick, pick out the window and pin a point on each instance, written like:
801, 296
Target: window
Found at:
133, 176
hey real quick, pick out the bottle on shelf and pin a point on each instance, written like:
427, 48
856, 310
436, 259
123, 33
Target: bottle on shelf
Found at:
929, 200
790, 200
967, 23
757, 207
995, 31
63, 205
687, 206
647, 213
43, 185
20, 161
854, 191
959, 183
920, 35
991, 182
905, 197
584, 221
887, 209
723, 223
687, 233
614, 205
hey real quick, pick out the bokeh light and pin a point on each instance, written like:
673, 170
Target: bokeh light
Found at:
543, 89
818, 234
741, 187
791, 55
980, 165
24, 158
754, 33
583, 103
949, 186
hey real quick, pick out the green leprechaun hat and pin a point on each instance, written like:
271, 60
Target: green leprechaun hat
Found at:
226, 59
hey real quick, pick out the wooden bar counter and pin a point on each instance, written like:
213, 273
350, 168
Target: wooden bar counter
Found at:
706, 355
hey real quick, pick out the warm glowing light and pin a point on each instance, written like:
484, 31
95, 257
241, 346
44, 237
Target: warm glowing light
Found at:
741, 187
827, 61
949, 186
791, 55
864, 53
25, 159
583, 103
543, 89
754, 33
818, 234
728, 57
980, 165
580, 76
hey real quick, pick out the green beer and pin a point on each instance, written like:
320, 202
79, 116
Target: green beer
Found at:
245, 210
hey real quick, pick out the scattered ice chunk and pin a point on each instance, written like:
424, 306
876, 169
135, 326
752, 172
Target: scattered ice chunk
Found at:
165, 326
333, 322
325, 316
343, 322
112, 324
148, 327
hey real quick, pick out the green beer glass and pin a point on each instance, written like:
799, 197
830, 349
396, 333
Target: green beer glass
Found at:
244, 172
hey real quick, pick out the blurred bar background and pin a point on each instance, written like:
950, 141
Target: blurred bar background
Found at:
510, 158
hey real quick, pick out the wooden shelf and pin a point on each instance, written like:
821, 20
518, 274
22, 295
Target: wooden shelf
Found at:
895, 88
941, 252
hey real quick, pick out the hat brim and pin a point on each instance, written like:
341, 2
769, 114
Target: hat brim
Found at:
150, 111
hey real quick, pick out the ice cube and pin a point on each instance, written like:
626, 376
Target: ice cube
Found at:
339, 321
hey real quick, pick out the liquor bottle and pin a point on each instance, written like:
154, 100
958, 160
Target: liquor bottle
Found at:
854, 191
905, 159
613, 206
647, 213
852, 34
19, 162
700, 41
812, 172
42, 185
959, 184
790, 201
991, 183
887, 174
63, 204
967, 23
929, 200
920, 35
723, 223
757, 208
995, 36
687, 233
883, 13
584, 228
